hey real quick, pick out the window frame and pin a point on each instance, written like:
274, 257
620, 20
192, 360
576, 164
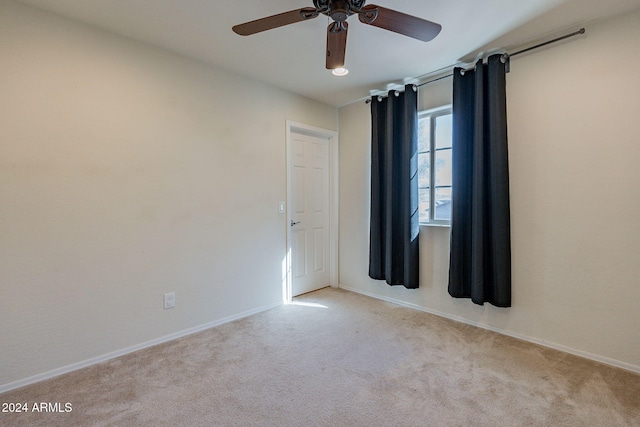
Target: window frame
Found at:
433, 114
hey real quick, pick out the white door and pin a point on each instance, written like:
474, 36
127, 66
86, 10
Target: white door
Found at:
309, 212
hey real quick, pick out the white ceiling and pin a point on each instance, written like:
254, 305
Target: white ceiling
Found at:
293, 56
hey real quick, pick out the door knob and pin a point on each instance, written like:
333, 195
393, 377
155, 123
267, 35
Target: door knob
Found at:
294, 223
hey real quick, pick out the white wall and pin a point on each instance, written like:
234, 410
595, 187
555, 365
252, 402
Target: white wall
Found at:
575, 197
127, 172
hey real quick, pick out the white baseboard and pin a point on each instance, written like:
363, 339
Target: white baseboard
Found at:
105, 357
544, 343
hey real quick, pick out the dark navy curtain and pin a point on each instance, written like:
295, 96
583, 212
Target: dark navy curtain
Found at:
480, 262
394, 225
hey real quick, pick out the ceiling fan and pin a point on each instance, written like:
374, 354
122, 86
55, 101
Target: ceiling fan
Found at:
339, 11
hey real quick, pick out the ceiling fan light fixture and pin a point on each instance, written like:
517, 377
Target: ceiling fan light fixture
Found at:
340, 71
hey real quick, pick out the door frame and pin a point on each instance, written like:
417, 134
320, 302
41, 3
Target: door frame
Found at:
332, 136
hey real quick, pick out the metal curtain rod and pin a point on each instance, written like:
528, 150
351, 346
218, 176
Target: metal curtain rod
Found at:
566, 36
505, 57
509, 55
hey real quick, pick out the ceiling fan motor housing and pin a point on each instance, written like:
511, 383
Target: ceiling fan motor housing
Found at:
338, 10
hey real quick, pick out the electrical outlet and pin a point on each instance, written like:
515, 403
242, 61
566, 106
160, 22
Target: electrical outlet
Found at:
170, 300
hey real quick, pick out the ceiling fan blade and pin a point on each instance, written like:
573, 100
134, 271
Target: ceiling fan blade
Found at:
399, 22
275, 21
336, 44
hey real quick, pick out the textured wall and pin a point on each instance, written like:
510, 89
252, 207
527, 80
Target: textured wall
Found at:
127, 172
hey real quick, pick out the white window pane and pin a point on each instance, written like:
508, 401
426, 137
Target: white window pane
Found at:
435, 166
425, 202
443, 131
424, 170
424, 134
443, 203
443, 167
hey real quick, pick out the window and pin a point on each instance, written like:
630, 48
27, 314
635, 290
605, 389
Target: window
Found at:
434, 183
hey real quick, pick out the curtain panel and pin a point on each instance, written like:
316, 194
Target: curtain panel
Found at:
394, 220
480, 259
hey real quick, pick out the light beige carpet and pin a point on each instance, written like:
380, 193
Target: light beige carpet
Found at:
357, 362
